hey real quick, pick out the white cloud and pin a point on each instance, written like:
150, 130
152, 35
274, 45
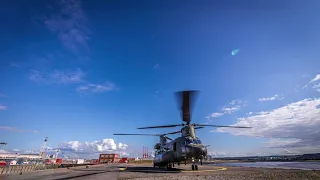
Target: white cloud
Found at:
69, 24
13, 129
96, 88
216, 153
122, 146
317, 78
2, 108
215, 115
233, 106
2, 151
56, 76
124, 154
294, 125
272, 98
89, 150
16, 150
317, 86
236, 102
103, 145
236, 105
230, 110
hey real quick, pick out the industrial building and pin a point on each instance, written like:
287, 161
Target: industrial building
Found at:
109, 158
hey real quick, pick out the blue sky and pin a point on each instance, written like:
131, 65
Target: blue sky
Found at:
80, 71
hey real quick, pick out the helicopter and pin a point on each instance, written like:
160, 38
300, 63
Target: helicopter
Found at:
187, 148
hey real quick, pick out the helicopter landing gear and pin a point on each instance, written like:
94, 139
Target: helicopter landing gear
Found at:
169, 167
194, 167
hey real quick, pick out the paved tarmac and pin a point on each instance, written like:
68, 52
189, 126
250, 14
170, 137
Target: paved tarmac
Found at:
147, 172
106, 172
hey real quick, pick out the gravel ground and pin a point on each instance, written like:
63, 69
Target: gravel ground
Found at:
267, 176
235, 174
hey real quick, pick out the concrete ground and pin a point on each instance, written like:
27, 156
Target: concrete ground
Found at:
147, 172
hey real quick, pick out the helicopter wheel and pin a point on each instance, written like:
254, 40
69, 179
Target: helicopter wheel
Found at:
192, 167
196, 167
168, 167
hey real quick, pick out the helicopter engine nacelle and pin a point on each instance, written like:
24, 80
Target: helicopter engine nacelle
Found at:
157, 146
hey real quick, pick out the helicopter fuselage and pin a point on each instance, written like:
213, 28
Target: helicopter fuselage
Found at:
181, 150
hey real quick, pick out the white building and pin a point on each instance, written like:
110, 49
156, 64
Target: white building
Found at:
23, 156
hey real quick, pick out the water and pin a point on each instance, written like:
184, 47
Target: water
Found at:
282, 165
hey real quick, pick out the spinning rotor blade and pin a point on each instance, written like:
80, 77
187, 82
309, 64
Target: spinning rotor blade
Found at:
161, 135
176, 132
166, 126
185, 102
168, 138
203, 125
139, 134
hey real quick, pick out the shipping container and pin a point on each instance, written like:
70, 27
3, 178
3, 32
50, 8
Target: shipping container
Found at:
59, 161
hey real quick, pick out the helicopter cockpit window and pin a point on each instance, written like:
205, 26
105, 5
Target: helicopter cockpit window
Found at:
189, 141
192, 141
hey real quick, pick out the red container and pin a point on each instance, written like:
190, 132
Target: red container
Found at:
58, 161
3, 163
123, 160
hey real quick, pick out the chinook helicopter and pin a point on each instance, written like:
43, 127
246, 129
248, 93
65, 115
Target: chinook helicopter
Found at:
185, 149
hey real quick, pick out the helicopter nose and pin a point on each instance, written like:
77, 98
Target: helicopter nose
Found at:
199, 150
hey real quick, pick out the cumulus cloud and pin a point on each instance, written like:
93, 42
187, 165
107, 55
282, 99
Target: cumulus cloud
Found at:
13, 129
91, 150
96, 88
57, 76
122, 146
272, 98
103, 145
69, 24
2, 108
292, 126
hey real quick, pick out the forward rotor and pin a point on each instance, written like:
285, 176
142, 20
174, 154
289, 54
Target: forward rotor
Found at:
186, 101
195, 125
163, 135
